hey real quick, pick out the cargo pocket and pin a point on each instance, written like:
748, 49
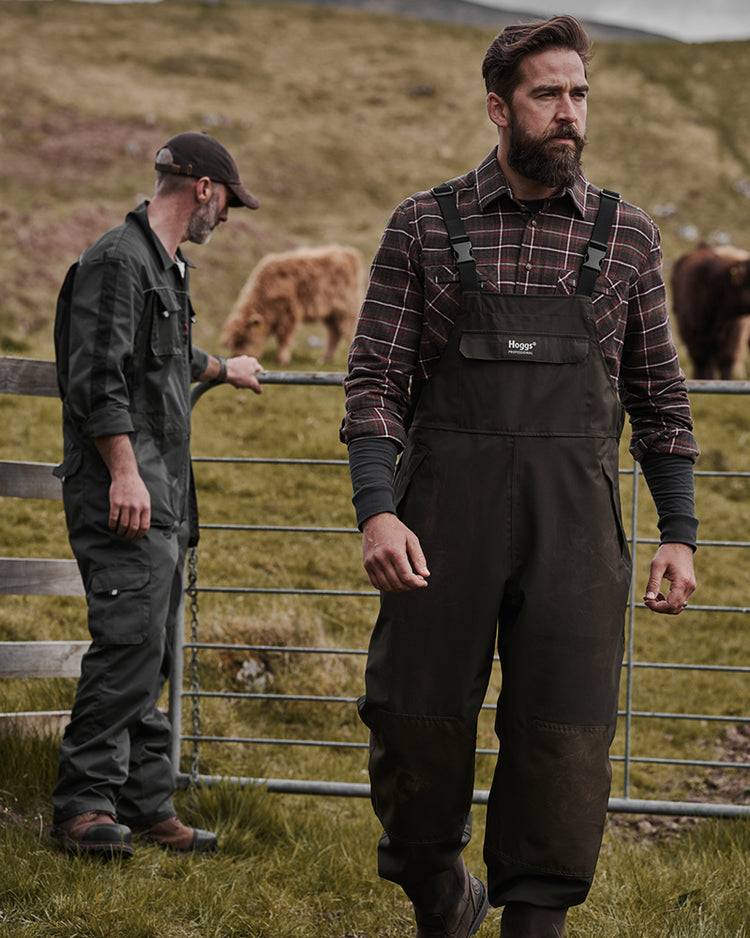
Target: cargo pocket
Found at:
119, 604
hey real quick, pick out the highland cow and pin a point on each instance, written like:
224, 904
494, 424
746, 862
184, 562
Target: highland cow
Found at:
323, 284
711, 302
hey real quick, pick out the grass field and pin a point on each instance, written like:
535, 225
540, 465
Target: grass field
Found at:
335, 116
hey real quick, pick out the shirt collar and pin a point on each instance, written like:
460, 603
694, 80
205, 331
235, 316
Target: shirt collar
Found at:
492, 185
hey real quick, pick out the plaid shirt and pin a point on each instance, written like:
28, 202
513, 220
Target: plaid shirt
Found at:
414, 297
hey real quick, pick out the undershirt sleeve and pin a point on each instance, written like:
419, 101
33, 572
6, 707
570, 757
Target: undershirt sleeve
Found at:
372, 462
670, 480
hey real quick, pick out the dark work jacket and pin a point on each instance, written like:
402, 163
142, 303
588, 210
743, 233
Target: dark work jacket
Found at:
125, 363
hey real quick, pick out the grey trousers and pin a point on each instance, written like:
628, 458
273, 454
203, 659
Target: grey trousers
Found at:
115, 752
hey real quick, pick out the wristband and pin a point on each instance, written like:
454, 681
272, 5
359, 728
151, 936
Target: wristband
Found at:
222, 375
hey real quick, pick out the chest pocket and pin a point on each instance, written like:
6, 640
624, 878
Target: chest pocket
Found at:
168, 329
510, 346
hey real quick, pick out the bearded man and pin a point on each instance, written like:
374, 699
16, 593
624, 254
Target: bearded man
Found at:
513, 316
125, 361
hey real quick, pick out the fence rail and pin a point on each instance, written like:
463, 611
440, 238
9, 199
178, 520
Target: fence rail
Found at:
59, 577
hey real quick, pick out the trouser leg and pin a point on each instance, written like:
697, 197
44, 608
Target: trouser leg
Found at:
130, 587
428, 667
561, 654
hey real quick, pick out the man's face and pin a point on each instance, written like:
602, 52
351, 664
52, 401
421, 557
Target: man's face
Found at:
208, 215
547, 118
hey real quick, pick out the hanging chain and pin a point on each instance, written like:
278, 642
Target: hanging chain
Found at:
192, 593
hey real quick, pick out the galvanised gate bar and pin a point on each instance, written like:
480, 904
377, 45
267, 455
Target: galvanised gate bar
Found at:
186, 686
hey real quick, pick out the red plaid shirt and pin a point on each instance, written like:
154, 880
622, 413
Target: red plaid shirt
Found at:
414, 296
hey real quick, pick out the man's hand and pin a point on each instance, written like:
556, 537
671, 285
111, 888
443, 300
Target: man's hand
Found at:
129, 499
392, 555
672, 562
241, 372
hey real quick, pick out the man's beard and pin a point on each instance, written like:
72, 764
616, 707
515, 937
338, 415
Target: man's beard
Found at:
203, 221
555, 166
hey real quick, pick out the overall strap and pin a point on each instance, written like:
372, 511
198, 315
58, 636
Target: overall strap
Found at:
462, 250
597, 246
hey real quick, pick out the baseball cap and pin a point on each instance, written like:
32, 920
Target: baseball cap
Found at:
196, 154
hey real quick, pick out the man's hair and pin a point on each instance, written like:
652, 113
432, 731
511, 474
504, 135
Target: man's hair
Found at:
502, 61
166, 182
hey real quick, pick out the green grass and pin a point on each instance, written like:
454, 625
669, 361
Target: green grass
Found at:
327, 115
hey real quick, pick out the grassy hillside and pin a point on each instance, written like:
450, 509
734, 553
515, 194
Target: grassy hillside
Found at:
333, 116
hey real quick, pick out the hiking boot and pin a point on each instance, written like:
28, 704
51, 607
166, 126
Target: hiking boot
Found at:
94, 832
523, 920
462, 919
172, 834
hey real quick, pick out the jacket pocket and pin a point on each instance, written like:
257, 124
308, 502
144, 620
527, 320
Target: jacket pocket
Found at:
167, 329
119, 604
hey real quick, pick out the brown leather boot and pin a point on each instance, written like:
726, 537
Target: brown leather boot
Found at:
523, 920
450, 905
172, 834
94, 832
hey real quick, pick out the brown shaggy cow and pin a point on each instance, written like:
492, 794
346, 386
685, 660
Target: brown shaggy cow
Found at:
711, 301
323, 284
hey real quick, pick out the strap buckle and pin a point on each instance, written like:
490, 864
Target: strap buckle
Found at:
463, 251
595, 256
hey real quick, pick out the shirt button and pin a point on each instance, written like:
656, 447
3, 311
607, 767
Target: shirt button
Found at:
527, 266
165, 313
114, 592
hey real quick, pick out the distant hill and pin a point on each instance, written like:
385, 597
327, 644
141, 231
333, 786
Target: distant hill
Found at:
476, 14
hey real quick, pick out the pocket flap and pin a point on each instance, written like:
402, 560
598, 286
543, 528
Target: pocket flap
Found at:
118, 579
69, 466
503, 346
167, 301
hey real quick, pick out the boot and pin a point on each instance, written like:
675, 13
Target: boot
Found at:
522, 920
93, 832
172, 834
450, 905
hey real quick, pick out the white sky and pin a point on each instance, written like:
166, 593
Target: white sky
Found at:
689, 20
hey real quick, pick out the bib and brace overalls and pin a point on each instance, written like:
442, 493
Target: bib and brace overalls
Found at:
510, 480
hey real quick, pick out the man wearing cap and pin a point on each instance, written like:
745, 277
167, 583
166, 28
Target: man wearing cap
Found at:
125, 362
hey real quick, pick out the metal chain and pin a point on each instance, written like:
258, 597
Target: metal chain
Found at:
192, 593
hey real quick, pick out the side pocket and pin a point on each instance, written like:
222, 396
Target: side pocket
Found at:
612, 477
412, 458
69, 466
119, 604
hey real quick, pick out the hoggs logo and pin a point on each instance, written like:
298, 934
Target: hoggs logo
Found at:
521, 348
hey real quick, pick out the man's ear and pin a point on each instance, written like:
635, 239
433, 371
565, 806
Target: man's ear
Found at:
497, 110
203, 189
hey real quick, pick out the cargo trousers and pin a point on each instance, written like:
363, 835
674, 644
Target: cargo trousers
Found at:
510, 480
115, 754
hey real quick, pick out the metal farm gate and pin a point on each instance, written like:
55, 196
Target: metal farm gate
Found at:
188, 697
